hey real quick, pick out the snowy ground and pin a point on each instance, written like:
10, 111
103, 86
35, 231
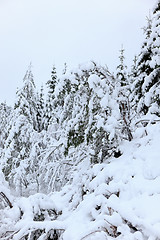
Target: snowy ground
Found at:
117, 199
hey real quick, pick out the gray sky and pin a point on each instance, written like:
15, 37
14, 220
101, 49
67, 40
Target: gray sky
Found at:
47, 32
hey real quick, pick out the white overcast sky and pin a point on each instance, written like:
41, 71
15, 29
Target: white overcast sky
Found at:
47, 32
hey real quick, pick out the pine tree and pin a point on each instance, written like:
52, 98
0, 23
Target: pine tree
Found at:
134, 72
52, 83
65, 69
40, 110
22, 130
16, 152
5, 118
123, 93
84, 110
143, 70
49, 106
121, 70
151, 85
146, 84
48, 109
26, 99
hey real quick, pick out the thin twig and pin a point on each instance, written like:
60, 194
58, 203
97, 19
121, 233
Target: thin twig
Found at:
10, 236
91, 234
147, 121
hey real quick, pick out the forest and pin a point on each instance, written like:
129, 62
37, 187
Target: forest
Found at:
79, 158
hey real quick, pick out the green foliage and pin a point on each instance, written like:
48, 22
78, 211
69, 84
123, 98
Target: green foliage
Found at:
121, 69
52, 83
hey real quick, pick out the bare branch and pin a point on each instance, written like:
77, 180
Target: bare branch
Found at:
6, 199
91, 234
146, 121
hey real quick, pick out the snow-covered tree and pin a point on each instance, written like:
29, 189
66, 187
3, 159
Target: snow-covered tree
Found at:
143, 69
5, 117
16, 153
84, 103
40, 110
52, 83
21, 134
133, 74
123, 92
26, 99
146, 84
49, 105
122, 70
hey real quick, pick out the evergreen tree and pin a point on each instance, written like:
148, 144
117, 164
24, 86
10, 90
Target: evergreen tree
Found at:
143, 70
52, 83
16, 152
123, 93
151, 85
134, 72
22, 130
84, 109
48, 110
146, 83
65, 68
121, 70
49, 106
5, 118
26, 99
40, 110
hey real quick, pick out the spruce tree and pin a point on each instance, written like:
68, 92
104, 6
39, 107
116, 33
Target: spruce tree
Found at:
123, 93
146, 84
84, 110
134, 72
151, 85
122, 70
16, 152
49, 105
52, 83
22, 130
26, 99
40, 110
5, 117
143, 70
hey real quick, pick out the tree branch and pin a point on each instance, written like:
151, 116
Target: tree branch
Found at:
6, 199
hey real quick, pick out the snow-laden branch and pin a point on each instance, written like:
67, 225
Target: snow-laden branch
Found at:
26, 229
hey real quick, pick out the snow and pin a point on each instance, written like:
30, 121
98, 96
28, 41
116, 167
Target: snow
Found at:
121, 191
104, 101
97, 184
93, 81
86, 66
